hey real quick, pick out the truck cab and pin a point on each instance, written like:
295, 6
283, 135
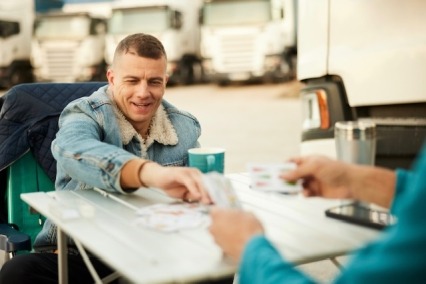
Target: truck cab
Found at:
244, 40
174, 23
68, 47
363, 60
16, 23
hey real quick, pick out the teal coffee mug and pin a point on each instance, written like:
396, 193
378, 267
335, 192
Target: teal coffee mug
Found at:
207, 159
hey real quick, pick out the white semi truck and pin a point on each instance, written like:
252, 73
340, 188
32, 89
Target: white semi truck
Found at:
173, 22
69, 45
244, 40
364, 60
16, 24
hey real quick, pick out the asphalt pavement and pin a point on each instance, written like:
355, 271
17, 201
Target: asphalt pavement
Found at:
254, 123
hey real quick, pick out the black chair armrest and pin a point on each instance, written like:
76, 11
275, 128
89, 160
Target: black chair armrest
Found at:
15, 240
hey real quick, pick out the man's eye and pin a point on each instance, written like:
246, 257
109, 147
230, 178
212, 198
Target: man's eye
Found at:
156, 82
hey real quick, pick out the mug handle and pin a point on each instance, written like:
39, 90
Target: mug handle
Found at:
210, 162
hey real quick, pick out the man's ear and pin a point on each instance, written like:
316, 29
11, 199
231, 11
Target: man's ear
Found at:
166, 79
110, 76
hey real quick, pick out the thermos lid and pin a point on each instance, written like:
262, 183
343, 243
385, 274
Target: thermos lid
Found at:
355, 130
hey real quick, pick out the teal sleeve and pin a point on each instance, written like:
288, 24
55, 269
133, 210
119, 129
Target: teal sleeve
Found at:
402, 178
399, 256
262, 263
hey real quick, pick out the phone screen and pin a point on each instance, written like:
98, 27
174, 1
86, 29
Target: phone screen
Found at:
362, 214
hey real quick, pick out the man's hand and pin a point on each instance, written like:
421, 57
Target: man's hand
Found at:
321, 177
178, 182
335, 179
232, 229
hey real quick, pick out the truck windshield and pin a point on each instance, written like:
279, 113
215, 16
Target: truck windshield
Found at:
225, 13
136, 20
62, 27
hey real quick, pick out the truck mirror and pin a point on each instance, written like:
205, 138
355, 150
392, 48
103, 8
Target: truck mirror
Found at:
36, 24
201, 16
8, 29
176, 22
97, 27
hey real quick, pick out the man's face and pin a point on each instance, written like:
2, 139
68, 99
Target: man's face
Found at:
138, 86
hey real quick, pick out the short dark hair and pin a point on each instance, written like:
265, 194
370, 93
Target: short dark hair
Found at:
144, 45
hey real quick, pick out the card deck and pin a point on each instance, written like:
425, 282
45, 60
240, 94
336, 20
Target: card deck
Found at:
220, 190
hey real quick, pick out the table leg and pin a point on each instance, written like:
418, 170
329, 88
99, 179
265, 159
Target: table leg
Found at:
62, 257
336, 263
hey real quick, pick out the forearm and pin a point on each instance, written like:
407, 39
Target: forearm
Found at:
133, 174
372, 184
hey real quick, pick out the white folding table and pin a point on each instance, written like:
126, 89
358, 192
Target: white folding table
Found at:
295, 224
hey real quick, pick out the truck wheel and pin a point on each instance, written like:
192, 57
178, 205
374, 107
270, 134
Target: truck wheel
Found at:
101, 72
198, 73
19, 76
293, 67
223, 82
187, 73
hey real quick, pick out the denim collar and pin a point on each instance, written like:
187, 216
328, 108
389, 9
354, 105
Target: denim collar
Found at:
160, 130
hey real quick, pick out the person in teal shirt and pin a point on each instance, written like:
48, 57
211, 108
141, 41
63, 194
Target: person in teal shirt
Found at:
398, 256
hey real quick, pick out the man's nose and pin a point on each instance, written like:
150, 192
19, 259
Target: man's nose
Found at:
142, 89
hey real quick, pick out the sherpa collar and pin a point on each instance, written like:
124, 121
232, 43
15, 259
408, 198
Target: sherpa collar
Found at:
160, 130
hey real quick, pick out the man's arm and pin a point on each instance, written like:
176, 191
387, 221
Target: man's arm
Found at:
334, 179
262, 263
372, 184
130, 174
178, 182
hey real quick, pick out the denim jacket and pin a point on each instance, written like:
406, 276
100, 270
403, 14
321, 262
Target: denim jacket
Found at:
94, 141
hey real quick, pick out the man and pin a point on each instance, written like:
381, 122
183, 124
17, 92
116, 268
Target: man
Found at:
399, 256
109, 140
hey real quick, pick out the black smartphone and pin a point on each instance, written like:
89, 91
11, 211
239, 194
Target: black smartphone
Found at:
362, 214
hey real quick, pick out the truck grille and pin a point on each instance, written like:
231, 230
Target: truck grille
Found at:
60, 63
238, 53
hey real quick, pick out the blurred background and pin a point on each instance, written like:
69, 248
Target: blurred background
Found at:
206, 41
231, 63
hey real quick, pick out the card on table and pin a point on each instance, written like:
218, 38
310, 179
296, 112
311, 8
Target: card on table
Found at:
221, 191
172, 217
266, 177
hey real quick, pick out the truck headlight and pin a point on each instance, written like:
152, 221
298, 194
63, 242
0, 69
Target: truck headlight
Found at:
315, 110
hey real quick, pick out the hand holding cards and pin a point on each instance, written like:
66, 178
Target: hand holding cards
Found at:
266, 177
220, 190
172, 217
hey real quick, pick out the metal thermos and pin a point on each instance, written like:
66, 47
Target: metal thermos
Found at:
355, 141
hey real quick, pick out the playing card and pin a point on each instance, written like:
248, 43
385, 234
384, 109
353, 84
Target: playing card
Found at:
172, 217
220, 190
266, 177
